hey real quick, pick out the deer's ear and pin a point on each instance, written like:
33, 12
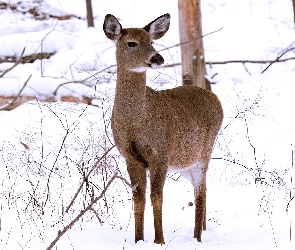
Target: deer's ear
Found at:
158, 27
112, 28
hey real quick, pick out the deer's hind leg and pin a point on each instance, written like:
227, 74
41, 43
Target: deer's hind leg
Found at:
200, 212
201, 190
196, 174
205, 219
137, 174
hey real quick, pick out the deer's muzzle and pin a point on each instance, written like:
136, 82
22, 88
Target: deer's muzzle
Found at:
157, 59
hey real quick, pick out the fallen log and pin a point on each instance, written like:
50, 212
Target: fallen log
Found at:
9, 103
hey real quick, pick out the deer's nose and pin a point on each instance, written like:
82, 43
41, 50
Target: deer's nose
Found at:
157, 59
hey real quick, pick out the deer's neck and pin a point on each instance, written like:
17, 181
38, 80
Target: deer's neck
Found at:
130, 95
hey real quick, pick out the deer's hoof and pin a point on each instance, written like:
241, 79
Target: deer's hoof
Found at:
197, 235
138, 239
159, 241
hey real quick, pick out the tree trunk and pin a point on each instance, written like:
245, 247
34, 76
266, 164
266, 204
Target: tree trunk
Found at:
90, 21
192, 51
293, 10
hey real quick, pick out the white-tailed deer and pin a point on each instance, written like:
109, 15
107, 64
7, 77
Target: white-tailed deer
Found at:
159, 130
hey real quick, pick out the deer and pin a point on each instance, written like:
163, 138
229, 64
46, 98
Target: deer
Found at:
158, 131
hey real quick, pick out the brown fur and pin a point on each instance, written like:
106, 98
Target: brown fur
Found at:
157, 130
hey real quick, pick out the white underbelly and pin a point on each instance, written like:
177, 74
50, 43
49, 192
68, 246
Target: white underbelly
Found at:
194, 173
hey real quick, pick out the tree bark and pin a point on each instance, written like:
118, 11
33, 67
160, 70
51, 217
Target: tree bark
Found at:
293, 10
192, 51
90, 21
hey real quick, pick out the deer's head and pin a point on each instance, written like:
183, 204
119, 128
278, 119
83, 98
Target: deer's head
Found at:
134, 45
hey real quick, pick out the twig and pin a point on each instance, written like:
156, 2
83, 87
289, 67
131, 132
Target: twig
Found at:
68, 131
171, 65
41, 63
191, 40
96, 214
250, 61
236, 61
53, 165
246, 69
233, 161
15, 98
289, 48
127, 183
82, 81
66, 228
86, 177
15, 64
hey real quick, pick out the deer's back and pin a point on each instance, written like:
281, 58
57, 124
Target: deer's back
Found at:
190, 103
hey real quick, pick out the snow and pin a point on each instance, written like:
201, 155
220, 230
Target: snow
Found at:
46, 149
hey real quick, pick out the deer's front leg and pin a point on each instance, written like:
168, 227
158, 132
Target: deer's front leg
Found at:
157, 177
137, 174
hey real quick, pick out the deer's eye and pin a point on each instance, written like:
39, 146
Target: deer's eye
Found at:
132, 44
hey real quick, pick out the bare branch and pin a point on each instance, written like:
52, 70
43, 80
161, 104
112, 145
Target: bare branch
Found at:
10, 103
284, 51
97, 216
246, 69
127, 183
191, 41
85, 99
236, 61
86, 177
170, 65
252, 61
82, 81
66, 228
15, 64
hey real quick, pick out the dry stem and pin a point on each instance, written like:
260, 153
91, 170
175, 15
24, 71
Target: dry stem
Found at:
86, 177
66, 228
15, 98
15, 64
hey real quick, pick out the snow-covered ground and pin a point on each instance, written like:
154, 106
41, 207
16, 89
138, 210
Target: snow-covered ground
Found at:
47, 149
